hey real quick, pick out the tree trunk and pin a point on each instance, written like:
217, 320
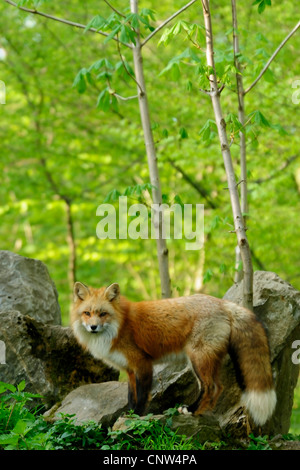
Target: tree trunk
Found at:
162, 250
232, 185
241, 117
71, 244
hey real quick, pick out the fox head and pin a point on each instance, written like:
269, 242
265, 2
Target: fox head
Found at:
95, 310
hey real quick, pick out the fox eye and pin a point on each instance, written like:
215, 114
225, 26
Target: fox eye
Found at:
102, 314
88, 314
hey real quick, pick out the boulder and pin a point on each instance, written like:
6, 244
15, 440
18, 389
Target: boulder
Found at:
105, 402
26, 286
102, 403
202, 428
277, 305
47, 357
173, 383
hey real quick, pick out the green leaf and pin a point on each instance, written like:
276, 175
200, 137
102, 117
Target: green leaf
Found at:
262, 4
112, 196
103, 101
208, 131
215, 222
178, 200
234, 123
20, 427
261, 7
80, 80
21, 386
145, 15
134, 20
207, 276
183, 133
279, 129
97, 23
222, 268
4, 387
124, 35
260, 119
113, 33
6, 439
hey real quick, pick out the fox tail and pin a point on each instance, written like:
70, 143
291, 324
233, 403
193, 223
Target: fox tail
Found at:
249, 351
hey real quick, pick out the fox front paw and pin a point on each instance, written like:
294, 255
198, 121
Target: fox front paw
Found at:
183, 410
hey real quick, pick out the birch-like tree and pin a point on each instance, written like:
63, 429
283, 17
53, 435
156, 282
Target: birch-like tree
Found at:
124, 29
215, 92
241, 92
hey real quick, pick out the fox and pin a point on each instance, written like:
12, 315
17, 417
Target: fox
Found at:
134, 336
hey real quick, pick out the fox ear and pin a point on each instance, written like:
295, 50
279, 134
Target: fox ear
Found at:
112, 292
80, 291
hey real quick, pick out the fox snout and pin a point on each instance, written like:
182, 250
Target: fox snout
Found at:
93, 328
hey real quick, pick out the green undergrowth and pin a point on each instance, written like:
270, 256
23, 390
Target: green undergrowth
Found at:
25, 428
295, 418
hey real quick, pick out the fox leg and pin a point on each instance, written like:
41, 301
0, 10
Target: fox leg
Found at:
139, 386
206, 367
143, 388
132, 396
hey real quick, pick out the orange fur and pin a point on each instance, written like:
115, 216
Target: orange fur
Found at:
134, 335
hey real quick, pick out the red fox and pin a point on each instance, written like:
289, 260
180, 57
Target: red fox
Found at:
134, 335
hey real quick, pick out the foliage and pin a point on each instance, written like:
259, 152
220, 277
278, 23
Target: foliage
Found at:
83, 143
147, 434
25, 429
19, 428
259, 443
295, 418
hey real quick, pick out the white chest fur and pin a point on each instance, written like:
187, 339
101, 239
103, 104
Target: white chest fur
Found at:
99, 345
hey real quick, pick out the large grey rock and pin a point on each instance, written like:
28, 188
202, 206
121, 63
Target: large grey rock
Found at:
102, 403
173, 383
47, 357
26, 286
201, 428
105, 402
277, 305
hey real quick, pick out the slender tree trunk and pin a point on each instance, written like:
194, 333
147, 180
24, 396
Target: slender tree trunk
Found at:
241, 117
71, 244
162, 250
232, 185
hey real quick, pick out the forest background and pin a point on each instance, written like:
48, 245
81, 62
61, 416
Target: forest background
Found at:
68, 144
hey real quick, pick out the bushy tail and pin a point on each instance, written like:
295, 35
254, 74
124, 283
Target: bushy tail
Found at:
249, 350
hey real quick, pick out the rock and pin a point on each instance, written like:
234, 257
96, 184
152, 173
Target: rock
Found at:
277, 305
102, 403
47, 357
202, 428
25, 286
173, 383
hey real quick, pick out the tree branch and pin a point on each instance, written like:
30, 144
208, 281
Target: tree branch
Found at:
64, 21
125, 98
273, 57
114, 9
127, 71
285, 164
162, 25
200, 189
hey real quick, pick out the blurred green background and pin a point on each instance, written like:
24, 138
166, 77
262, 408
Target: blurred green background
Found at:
61, 155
